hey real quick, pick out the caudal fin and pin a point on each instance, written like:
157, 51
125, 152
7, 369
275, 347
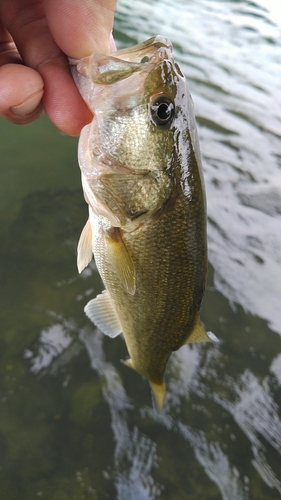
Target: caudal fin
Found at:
159, 391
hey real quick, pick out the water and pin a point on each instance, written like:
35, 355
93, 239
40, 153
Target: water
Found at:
74, 422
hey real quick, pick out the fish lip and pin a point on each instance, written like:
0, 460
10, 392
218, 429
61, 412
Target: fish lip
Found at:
161, 43
156, 49
133, 53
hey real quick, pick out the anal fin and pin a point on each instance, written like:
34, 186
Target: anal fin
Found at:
129, 363
199, 334
101, 311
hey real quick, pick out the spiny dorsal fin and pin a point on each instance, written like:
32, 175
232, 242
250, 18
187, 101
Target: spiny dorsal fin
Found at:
101, 311
84, 249
199, 334
120, 259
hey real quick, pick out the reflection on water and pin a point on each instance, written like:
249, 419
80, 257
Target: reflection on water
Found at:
230, 52
74, 422
135, 454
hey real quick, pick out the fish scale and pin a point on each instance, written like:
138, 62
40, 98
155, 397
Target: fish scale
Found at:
141, 176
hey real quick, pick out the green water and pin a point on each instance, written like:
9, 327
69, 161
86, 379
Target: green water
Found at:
74, 422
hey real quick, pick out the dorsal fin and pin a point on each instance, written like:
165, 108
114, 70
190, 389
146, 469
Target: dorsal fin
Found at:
101, 311
120, 259
84, 249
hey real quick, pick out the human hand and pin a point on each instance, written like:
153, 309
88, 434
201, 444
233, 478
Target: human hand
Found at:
36, 36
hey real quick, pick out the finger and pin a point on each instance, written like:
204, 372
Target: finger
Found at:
28, 27
62, 101
21, 88
81, 27
21, 91
112, 44
8, 50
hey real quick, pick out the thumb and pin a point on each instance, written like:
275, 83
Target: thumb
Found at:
81, 27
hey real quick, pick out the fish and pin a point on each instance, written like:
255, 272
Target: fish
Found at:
142, 180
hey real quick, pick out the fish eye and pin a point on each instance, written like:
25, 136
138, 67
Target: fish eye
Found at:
162, 111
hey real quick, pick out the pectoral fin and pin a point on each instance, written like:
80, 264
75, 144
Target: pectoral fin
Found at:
84, 249
120, 259
199, 334
101, 311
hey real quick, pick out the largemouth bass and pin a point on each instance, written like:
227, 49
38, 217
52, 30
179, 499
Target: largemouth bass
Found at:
141, 177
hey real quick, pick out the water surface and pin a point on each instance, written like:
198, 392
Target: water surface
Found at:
74, 422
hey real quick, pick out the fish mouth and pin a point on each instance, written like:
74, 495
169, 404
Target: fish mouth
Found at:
106, 70
99, 67
153, 50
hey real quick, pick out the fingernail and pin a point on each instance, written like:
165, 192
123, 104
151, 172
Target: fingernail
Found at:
27, 106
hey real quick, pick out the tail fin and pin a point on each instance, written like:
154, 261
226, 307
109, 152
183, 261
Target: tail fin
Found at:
159, 391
